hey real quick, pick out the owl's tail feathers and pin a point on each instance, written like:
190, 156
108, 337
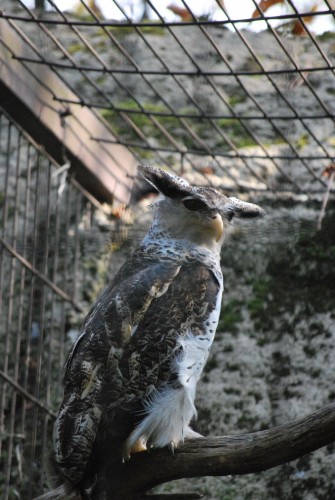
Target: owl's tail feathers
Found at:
58, 494
61, 488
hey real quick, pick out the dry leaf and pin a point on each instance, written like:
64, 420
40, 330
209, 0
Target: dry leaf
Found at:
179, 11
207, 170
329, 170
264, 5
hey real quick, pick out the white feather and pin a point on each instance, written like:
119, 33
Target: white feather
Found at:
170, 412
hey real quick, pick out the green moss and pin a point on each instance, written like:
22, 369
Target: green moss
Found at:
327, 35
146, 124
251, 64
300, 283
230, 316
76, 47
153, 30
236, 132
309, 273
101, 79
237, 99
302, 141
125, 29
188, 111
275, 140
257, 303
142, 121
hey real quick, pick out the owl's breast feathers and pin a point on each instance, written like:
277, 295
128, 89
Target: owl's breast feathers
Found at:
128, 348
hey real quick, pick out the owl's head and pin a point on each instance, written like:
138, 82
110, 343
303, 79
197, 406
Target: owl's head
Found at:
198, 214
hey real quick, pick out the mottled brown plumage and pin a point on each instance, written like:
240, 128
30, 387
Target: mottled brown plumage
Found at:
131, 375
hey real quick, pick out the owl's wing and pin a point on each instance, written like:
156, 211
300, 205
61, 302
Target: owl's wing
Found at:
147, 361
106, 331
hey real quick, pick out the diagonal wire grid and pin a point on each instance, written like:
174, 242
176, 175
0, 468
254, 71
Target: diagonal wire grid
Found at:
241, 110
211, 96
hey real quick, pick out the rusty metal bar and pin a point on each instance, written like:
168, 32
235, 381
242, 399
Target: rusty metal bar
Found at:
27, 395
39, 275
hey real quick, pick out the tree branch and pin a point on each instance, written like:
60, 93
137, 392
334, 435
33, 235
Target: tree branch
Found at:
218, 456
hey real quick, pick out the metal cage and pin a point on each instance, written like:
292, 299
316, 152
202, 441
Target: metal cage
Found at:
201, 113
45, 220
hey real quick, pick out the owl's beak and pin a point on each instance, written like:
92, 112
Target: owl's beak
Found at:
217, 226
243, 209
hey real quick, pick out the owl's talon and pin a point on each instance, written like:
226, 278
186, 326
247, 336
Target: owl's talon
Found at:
125, 456
149, 446
128, 450
172, 447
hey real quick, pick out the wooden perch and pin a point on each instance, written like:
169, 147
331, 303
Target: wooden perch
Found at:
217, 456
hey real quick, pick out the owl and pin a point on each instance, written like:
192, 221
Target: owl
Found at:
131, 376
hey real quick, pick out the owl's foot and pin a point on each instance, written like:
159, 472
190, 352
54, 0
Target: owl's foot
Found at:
188, 434
137, 447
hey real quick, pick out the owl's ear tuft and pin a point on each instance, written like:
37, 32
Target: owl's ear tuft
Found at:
169, 185
242, 209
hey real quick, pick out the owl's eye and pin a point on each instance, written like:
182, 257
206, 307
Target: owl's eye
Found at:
194, 204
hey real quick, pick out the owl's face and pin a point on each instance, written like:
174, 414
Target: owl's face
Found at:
198, 214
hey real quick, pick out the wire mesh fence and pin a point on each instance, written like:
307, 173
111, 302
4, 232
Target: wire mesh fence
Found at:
240, 109
255, 109
44, 223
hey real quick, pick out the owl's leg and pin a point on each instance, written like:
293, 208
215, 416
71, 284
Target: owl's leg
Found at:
166, 421
191, 434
